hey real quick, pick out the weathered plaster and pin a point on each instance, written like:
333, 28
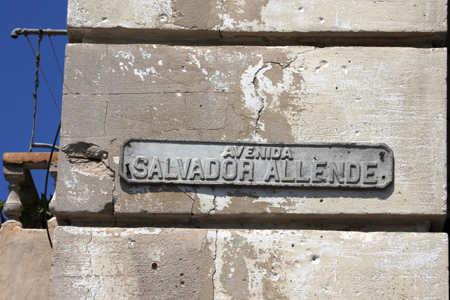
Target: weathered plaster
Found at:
156, 263
285, 94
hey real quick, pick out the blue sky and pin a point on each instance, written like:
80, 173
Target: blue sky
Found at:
17, 69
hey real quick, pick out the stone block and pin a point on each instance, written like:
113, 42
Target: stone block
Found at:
157, 263
88, 186
395, 96
269, 22
115, 263
25, 263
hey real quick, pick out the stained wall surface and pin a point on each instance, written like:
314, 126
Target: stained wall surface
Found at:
154, 263
340, 72
25, 263
395, 96
269, 22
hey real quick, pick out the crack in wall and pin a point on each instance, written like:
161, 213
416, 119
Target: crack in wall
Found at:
106, 116
222, 18
113, 197
263, 100
238, 114
91, 266
192, 206
214, 264
191, 218
214, 205
177, 82
260, 111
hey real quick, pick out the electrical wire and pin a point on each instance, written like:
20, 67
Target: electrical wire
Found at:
45, 79
36, 85
56, 58
51, 93
46, 183
59, 67
38, 67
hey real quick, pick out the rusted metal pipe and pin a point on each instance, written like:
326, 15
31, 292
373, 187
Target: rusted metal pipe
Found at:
24, 31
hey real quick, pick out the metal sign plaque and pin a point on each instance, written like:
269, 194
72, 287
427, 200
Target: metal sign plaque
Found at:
256, 164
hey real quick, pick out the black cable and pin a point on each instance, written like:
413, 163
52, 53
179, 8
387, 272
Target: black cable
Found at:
59, 67
56, 58
46, 184
51, 93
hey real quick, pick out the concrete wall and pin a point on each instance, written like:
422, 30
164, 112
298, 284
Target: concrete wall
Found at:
25, 263
154, 263
278, 94
269, 22
371, 72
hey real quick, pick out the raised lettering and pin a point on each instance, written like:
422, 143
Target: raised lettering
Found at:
352, 172
196, 170
286, 153
317, 171
184, 169
369, 176
249, 154
299, 172
228, 152
260, 152
167, 174
229, 169
284, 172
140, 163
275, 152
247, 167
336, 172
272, 171
212, 168
296, 165
238, 150
155, 169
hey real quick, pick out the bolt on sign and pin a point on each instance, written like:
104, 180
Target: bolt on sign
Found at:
256, 164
